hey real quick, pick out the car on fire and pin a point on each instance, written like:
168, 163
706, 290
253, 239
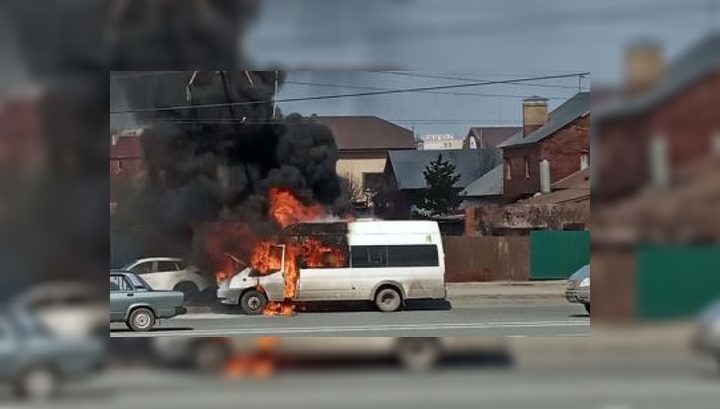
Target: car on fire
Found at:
385, 262
135, 303
578, 287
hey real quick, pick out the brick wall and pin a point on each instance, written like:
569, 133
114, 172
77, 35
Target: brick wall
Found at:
563, 150
687, 121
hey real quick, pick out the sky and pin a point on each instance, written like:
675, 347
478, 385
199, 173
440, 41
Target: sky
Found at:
475, 39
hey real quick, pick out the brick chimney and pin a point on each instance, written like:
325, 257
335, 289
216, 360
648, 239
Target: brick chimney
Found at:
644, 67
535, 114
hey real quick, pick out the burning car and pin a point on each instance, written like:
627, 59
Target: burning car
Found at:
385, 262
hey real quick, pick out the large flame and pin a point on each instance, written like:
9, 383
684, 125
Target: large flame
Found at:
286, 209
265, 256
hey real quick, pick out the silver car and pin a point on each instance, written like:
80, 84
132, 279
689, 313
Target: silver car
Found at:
135, 303
578, 288
707, 338
36, 363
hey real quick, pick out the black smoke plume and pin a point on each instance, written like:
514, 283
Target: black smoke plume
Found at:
214, 144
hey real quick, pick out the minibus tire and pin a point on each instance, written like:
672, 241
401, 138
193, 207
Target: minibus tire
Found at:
388, 299
253, 302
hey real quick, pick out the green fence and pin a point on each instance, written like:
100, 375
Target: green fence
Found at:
555, 255
676, 281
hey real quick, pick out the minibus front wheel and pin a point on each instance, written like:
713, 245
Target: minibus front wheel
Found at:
253, 302
388, 299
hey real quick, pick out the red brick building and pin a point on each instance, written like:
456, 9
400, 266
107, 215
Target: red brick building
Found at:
671, 120
20, 131
126, 162
550, 146
126, 154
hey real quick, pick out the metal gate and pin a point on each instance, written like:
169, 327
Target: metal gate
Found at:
555, 255
676, 281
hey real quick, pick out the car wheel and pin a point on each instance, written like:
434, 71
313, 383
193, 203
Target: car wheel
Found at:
141, 319
38, 383
388, 299
418, 354
587, 308
253, 302
189, 290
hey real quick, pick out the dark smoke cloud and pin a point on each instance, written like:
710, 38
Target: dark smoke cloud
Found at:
209, 164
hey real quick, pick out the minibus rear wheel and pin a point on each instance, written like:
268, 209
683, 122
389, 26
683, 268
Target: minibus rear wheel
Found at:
388, 299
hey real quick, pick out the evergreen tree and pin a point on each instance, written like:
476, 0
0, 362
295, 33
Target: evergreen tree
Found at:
441, 197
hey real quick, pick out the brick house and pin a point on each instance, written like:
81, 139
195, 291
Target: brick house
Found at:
669, 119
20, 131
550, 146
126, 163
126, 154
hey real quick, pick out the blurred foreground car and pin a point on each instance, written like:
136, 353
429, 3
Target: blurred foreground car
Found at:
412, 353
37, 363
707, 339
135, 303
578, 289
166, 273
67, 308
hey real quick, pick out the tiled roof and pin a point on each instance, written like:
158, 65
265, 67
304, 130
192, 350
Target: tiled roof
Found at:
358, 133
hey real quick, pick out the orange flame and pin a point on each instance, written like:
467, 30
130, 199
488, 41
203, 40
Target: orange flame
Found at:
265, 256
286, 209
261, 364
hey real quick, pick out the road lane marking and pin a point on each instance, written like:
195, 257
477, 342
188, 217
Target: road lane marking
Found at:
256, 330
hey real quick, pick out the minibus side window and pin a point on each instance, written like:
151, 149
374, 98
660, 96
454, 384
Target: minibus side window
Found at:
422, 255
369, 256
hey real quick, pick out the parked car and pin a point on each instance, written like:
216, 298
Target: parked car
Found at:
707, 338
36, 363
134, 302
388, 263
578, 288
67, 308
166, 273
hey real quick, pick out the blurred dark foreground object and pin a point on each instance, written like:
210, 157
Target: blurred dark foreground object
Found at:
37, 363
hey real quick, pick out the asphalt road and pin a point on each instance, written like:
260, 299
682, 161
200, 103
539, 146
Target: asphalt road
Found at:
624, 386
547, 318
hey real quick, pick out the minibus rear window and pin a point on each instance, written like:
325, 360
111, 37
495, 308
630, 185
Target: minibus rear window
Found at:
394, 256
412, 255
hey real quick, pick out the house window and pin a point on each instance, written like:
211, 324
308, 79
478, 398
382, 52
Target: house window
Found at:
372, 181
527, 167
508, 169
584, 161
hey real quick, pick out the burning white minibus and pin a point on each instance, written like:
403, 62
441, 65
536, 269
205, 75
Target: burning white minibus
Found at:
385, 262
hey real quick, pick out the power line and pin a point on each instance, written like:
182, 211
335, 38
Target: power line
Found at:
472, 94
453, 78
280, 121
359, 94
